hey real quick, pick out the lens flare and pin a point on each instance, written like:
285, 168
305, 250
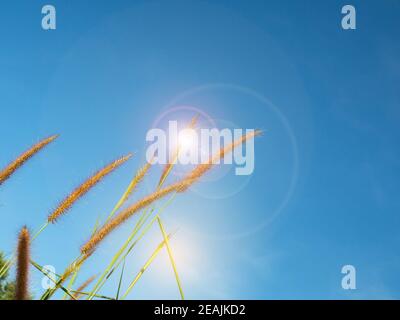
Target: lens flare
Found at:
187, 140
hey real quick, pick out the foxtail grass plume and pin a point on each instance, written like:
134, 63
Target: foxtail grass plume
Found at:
125, 215
80, 191
23, 259
140, 174
179, 186
82, 287
201, 169
74, 266
18, 162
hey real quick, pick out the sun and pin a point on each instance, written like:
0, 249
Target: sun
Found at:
187, 140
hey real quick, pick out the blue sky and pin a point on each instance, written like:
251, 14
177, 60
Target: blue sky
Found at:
325, 188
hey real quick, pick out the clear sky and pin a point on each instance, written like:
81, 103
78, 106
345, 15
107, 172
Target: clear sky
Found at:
325, 190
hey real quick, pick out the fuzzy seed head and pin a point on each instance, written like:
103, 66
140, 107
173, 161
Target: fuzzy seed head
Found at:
23, 260
84, 188
18, 162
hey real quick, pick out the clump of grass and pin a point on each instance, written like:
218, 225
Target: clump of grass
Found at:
80, 191
113, 221
18, 162
21, 290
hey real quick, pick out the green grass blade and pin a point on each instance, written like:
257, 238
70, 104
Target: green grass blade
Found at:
138, 226
6, 266
120, 280
68, 292
75, 274
143, 269
110, 268
171, 257
40, 230
68, 271
40, 268
130, 248
111, 264
128, 191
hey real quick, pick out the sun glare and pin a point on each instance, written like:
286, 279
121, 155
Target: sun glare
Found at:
187, 140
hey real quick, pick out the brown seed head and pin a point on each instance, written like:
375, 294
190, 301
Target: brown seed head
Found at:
125, 215
23, 259
80, 191
82, 287
18, 162
201, 169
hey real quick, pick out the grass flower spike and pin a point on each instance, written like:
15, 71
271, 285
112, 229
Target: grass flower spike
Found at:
125, 215
18, 162
80, 191
201, 169
82, 287
179, 186
21, 290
